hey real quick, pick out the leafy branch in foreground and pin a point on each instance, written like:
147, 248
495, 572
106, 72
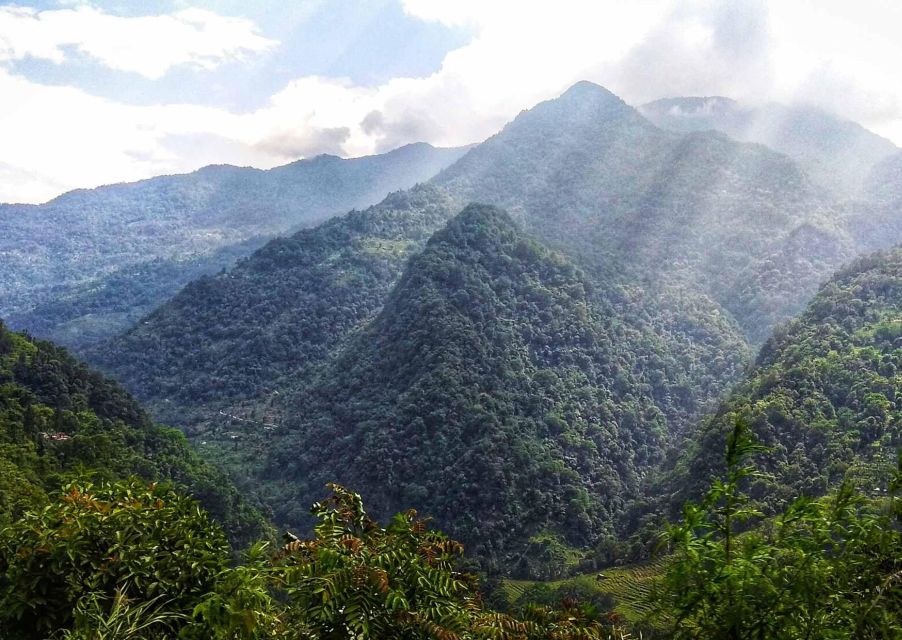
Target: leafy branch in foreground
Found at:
825, 568
125, 561
97, 547
98, 619
358, 580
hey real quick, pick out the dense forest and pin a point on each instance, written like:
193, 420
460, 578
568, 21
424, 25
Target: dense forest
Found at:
490, 363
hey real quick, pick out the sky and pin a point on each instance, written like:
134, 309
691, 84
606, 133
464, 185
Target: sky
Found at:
108, 91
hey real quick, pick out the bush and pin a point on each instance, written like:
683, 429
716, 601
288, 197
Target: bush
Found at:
144, 543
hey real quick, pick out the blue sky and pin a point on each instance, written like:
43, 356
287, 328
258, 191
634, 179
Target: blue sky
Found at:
366, 41
95, 92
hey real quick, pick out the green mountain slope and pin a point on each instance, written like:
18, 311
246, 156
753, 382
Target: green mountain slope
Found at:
58, 418
493, 391
824, 393
65, 265
237, 335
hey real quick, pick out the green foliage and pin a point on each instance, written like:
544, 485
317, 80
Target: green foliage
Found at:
130, 561
243, 604
624, 592
83, 314
59, 419
356, 579
100, 546
359, 580
95, 619
827, 568
123, 620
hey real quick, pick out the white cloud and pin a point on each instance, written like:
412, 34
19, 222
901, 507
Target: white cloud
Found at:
842, 58
60, 138
149, 45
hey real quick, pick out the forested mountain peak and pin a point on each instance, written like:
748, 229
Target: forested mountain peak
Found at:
637, 203
585, 125
585, 95
492, 384
416, 152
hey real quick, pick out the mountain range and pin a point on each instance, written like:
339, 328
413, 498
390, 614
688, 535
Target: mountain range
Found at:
545, 350
524, 345
86, 265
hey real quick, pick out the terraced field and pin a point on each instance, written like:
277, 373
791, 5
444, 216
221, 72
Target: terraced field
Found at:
629, 588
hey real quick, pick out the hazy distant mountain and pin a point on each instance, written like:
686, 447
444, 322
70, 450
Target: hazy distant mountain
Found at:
591, 176
87, 264
884, 183
875, 221
838, 154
